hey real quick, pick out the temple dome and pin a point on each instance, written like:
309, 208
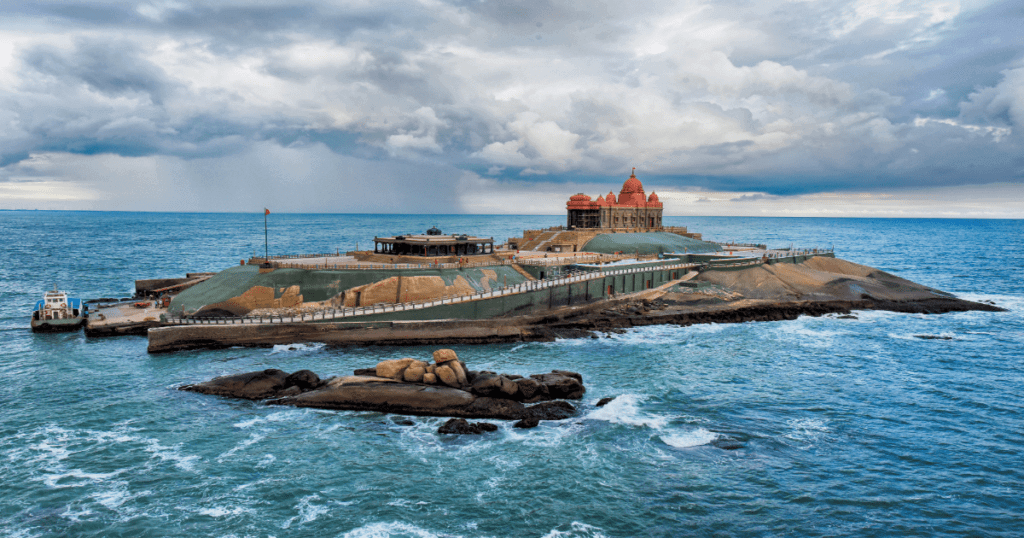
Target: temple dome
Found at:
610, 198
579, 198
653, 197
632, 185
632, 192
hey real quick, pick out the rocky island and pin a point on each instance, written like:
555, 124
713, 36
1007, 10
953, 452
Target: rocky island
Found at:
446, 387
612, 266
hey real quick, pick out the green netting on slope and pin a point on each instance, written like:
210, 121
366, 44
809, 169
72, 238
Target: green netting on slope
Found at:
317, 285
648, 243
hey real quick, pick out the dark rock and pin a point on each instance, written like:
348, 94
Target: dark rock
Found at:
493, 386
933, 337
484, 407
527, 423
550, 411
727, 444
304, 379
558, 385
461, 426
249, 386
404, 422
528, 387
574, 375
604, 401
372, 372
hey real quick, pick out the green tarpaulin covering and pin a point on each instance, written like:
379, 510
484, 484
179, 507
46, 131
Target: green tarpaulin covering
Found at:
648, 243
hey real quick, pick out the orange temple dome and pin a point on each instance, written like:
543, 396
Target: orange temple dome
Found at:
653, 197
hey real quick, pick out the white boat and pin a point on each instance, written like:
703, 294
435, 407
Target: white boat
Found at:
58, 312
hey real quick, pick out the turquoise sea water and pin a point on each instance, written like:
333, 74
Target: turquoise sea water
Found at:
846, 427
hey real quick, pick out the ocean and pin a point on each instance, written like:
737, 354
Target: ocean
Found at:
882, 424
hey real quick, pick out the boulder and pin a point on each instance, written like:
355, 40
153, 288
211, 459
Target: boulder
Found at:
414, 374
393, 368
429, 378
605, 401
550, 411
461, 426
432, 369
365, 372
527, 423
493, 385
445, 374
250, 386
558, 385
303, 379
460, 373
442, 356
528, 388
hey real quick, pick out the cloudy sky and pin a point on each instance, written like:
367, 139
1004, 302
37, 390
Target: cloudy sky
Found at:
726, 107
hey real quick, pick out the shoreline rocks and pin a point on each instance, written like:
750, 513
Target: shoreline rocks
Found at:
469, 395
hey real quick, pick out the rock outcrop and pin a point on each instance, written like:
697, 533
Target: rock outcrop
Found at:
412, 387
461, 426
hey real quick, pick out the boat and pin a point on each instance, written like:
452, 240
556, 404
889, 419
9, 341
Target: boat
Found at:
58, 312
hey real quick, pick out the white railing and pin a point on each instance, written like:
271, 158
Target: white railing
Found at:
381, 308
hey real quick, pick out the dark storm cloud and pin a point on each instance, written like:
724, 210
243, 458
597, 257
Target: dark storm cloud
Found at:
111, 68
780, 98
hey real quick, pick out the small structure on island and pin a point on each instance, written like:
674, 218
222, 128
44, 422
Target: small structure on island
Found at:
432, 244
633, 209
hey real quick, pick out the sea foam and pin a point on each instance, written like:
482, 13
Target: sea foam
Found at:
625, 409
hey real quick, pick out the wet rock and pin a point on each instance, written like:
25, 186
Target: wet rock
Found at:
493, 385
404, 422
559, 385
303, 379
726, 443
528, 388
249, 386
365, 371
461, 426
527, 423
557, 410
933, 337
605, 401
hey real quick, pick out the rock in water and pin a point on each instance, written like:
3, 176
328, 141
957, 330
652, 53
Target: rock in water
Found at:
442, 356
461, 426
605, 401
493, 385
559, 384
250, 386
527, 423
304, 379
528, 388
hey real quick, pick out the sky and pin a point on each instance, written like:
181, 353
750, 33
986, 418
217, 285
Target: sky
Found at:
867, 108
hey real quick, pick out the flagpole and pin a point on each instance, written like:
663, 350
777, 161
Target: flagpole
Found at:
266, 241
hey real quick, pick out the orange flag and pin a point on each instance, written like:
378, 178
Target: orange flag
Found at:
266, 211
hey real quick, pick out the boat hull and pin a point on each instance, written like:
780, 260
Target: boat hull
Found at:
57, 325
